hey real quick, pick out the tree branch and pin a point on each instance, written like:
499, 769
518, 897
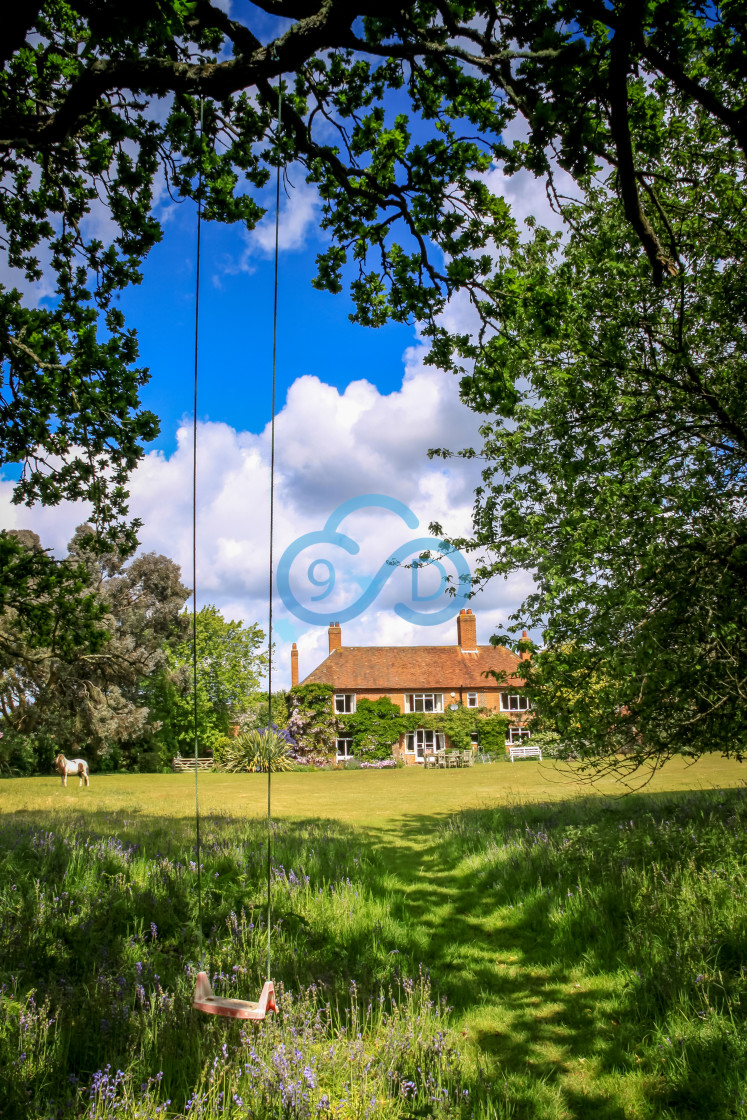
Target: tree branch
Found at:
620, 52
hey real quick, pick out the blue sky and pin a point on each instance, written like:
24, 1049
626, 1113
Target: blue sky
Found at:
315, 335
357, 410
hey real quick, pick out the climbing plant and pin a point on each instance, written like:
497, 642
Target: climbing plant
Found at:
376, 726
312, 722
461, 723
492, 731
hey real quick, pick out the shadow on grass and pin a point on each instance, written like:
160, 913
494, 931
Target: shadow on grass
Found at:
537, 1004
546, 1004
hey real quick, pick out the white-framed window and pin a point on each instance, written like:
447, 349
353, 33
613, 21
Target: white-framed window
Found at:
424, 702
475, 738
422, 742
472, 700
344, 703
514, 702
517, 735
343, 748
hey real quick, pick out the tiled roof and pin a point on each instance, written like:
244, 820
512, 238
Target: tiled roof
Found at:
397, 668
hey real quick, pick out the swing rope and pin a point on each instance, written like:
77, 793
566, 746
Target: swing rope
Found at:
194, 547
272, 530
194, 538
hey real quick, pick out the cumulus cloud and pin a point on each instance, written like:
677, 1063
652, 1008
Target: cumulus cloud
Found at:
331, 446
527, 194
299, 222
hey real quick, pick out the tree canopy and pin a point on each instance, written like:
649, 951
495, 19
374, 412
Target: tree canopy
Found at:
90, 696
229, 665
617, 468
393, 113
124, 694
614, 359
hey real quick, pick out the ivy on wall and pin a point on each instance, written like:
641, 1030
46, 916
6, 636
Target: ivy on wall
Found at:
376, 725
461, 724
493, 731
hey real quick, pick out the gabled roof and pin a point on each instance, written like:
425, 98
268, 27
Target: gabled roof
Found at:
401, 668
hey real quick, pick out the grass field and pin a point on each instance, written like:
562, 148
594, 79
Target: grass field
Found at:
503, 941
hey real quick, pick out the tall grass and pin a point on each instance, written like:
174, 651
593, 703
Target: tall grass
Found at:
573, 959
100, 952
652, 894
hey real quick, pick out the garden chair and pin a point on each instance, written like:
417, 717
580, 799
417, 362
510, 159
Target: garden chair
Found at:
430, 762
452, 759
468, 758
441, 758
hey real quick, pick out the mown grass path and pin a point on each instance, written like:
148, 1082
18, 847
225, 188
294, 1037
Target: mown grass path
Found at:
590, 946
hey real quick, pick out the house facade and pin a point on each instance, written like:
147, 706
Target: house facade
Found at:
428, 679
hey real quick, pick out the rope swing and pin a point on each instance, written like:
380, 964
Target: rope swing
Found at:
204, 1000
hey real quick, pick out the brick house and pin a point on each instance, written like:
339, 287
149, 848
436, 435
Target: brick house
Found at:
423, 679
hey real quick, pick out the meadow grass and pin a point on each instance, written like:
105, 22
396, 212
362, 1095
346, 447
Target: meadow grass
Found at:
496, 942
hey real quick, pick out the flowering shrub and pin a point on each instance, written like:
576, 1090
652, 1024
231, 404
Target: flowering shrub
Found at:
313, 723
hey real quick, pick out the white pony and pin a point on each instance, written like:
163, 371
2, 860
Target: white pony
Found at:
65, 766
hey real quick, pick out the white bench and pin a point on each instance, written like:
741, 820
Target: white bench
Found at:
525, 752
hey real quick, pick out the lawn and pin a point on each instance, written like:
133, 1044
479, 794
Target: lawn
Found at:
494, 942
359, 797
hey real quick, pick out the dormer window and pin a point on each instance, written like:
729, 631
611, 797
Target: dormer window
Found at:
424, 702
344, 703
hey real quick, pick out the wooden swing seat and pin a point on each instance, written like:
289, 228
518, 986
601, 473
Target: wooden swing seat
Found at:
232, 1008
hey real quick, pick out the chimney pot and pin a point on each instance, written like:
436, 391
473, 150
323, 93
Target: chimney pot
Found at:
467, 630
294, 665
335, 636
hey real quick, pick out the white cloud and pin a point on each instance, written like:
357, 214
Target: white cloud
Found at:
526, 193
299, 220
330, 446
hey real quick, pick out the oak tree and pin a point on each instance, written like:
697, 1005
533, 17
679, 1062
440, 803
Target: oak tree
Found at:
616, 468
394, 113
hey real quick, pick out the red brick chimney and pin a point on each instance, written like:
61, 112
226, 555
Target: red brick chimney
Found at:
294, 665
525, 655
335, 636
467, 630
